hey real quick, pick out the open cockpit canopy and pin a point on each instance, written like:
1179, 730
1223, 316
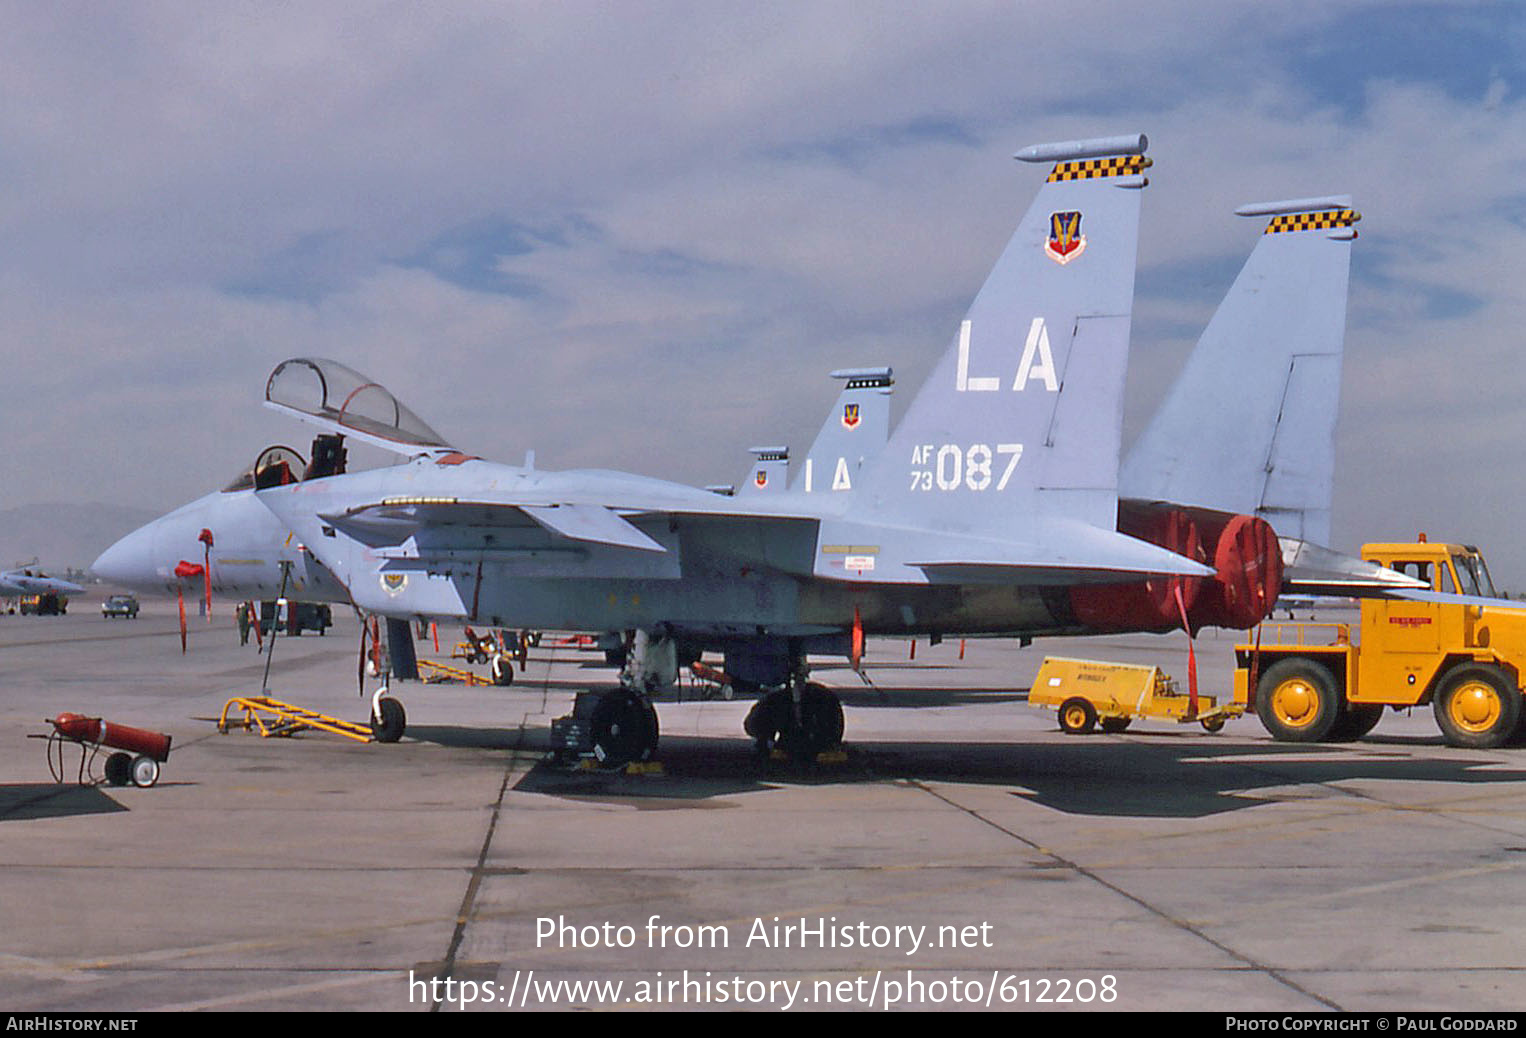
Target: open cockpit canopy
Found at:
326, 393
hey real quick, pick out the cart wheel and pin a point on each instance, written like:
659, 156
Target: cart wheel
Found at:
503, 669
1077, 716
1212, 724
119, 769
145, 771
1113, 725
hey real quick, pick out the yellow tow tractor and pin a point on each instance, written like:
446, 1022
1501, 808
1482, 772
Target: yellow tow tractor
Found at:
1089, 692
1328, 682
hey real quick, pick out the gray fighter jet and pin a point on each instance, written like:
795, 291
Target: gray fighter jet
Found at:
993, 509
991, 503
31, 581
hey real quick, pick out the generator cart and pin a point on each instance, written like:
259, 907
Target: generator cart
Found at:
1087, 693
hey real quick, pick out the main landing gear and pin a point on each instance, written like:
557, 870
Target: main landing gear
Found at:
803, 720
796, 718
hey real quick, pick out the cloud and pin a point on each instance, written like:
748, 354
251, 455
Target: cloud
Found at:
639, 237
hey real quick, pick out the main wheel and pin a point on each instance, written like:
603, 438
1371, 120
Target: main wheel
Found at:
821, 721
1477, 707
624, 729
391, 721
1297, 701
768, 718
1356, 721
1077, 717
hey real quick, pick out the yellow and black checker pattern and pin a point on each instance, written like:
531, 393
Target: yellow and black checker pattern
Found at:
1090, 169
1320, 221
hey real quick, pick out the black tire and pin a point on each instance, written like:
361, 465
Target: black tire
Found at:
1211, 725
768, 718
821, 722
624, 729
392, 722
119, 769
1114, 725
1477, 707
503, 670
1077, 716
145, 771
1356, 720
1297, 701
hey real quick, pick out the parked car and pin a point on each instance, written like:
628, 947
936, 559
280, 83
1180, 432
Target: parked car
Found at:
295, 617
120, 605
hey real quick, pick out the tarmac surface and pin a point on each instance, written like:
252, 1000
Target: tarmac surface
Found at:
966, 855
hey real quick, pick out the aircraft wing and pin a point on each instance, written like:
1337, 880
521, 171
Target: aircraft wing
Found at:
393, 522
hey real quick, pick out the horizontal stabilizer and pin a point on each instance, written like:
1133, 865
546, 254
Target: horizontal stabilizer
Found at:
1310, 569
1447, 598
1054, 552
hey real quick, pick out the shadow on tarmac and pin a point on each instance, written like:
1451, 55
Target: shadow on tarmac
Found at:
1170, 776
30, 800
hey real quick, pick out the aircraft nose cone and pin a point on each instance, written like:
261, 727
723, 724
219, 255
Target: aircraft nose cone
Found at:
130, 561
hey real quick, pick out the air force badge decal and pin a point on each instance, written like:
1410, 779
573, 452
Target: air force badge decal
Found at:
1066, 241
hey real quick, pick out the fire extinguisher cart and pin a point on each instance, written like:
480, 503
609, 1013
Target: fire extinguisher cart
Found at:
138, 753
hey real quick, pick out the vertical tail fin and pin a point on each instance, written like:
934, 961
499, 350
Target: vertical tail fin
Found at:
1022, 415
769, 474
853, 434
1249, 426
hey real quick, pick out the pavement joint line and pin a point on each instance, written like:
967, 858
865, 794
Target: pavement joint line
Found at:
474, 883
1159, 913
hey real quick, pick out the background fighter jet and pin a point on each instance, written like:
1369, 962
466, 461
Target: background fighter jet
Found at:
30, 581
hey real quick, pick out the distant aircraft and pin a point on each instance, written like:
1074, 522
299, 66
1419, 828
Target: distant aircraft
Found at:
32, 581
856, 429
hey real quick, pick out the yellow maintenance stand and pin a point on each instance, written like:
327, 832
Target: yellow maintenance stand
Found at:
1330, 682
1086, 692
272, 717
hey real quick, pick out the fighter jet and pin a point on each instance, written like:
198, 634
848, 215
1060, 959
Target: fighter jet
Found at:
32, 581
993, 501
994, 525
856, 429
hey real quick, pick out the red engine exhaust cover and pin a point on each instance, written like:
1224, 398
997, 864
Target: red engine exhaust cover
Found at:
1243, 549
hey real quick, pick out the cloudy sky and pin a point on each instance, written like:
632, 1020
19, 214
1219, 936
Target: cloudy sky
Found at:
637, 235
